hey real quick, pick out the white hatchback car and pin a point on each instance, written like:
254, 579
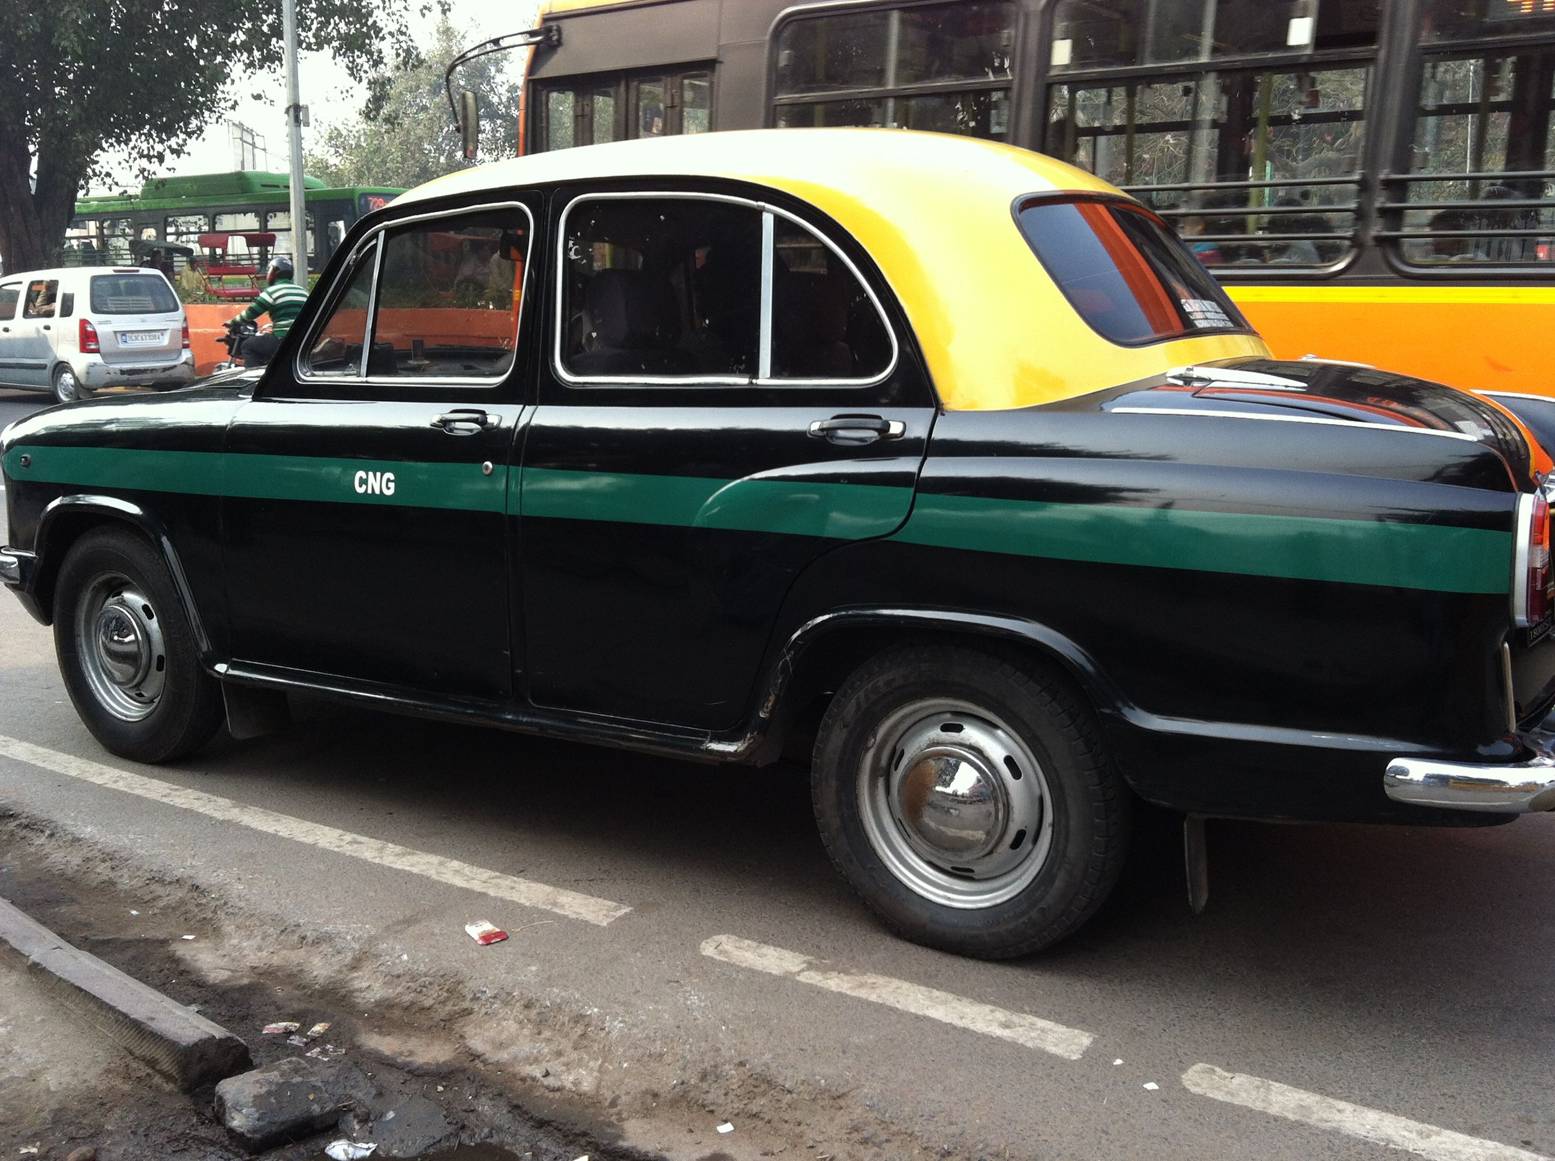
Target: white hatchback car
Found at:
78, 328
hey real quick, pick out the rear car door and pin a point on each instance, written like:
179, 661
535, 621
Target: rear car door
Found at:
366, 532
726, 401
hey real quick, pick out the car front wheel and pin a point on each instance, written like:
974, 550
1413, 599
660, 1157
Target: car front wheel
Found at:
969, 801
127, 651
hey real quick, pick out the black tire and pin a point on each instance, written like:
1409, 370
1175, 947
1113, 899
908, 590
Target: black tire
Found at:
66, 387
118, 567
1060, 872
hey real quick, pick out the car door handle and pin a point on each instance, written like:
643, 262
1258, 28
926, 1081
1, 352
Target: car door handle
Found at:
856, 429
46, 326
466, 421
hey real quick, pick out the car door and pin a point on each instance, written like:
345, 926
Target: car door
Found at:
365, 524
11, 368
726, 400
28, 349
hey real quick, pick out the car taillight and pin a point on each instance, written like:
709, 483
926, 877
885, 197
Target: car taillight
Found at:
1533, 586
87, 334
186, 334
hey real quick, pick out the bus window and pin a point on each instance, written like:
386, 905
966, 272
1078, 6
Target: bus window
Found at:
1253, 163
280, 224
696, 103
1480, 188
891, 67
185, 228
1092, 34
642, 105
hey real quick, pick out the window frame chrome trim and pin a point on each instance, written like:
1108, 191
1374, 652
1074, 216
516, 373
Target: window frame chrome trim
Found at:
375, 236
568, 379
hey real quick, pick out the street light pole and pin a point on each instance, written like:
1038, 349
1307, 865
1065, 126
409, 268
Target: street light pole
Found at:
294, 122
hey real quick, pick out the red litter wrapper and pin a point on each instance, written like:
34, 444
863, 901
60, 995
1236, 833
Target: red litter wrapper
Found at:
485, 933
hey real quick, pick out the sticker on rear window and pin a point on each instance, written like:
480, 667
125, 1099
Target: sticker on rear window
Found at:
1202, 312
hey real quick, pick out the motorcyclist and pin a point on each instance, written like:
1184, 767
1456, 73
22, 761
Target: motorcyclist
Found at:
282, 299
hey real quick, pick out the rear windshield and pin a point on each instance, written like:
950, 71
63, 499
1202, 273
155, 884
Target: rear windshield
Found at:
1125, 272
132, 294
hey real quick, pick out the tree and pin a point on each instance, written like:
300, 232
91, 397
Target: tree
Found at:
79, 78
406, 133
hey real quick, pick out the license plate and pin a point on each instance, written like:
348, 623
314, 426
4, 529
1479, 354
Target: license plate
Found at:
139, 338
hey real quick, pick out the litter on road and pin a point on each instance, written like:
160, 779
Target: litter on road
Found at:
343, 1150
318, 1030
485, 933
1151, 1086
726, 1127
281, 1026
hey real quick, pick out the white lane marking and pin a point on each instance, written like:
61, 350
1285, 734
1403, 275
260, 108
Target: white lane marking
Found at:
1017, 1027
1280, 1100
526, 892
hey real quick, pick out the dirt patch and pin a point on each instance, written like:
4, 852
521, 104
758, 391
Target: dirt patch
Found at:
537, 1077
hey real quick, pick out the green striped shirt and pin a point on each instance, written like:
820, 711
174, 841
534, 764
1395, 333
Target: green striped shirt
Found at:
282, 301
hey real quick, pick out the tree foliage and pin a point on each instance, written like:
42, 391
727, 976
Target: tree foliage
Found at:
81, 78
406, 134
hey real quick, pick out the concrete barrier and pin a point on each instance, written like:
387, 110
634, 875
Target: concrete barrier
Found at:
182, 1045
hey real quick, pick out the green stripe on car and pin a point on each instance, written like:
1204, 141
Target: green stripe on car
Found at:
1441, 558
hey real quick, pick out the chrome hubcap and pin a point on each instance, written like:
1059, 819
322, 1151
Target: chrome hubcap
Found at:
65, 385
119, 641
955, 804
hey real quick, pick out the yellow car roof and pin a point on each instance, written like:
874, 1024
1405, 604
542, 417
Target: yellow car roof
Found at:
935, 212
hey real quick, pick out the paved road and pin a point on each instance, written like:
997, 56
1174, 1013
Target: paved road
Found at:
1349, 991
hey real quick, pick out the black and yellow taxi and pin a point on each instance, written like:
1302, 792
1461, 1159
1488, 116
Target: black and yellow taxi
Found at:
936, 451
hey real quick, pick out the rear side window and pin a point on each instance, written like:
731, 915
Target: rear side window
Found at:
661, 287
132, 294
1124, 272
10, 294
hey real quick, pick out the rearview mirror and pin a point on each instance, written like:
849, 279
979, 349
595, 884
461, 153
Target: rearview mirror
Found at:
469, 124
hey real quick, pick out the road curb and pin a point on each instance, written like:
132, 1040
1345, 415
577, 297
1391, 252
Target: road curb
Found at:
182, 1045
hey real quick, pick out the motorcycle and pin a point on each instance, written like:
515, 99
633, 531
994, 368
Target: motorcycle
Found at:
240, 333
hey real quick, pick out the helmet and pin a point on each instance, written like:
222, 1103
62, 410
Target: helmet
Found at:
280, 267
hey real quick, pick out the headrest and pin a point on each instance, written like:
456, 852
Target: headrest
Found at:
625, 310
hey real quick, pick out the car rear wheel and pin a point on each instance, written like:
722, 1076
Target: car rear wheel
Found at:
67, 388
127, 651
969, 801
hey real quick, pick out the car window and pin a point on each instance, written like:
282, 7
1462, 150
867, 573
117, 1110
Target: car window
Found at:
41, 299
449, 296
658, 287
132, 294
824, 323
1124, 272
10, 295
336, 347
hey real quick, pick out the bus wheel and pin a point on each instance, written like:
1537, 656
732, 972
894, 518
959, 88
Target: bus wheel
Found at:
969, 801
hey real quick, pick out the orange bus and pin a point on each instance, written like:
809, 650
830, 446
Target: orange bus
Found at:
1374, 179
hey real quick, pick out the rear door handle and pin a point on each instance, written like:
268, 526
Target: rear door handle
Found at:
857, 429
466, 421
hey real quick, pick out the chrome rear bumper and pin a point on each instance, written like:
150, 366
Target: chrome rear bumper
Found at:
14, 566
1517, 788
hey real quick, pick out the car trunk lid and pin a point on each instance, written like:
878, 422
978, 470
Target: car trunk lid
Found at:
1354, 393
137, 316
